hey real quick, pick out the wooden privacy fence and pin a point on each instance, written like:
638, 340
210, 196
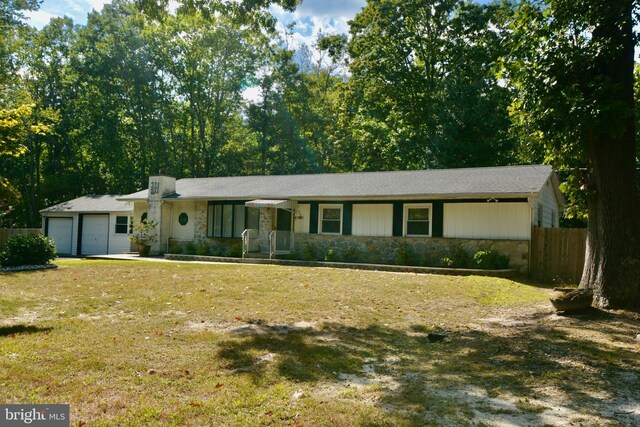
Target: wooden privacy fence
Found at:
5, 233
557, 254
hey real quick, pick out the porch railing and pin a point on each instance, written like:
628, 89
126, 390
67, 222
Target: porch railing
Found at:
280, 242
250, 242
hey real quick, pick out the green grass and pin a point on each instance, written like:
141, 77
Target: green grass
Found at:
135, 343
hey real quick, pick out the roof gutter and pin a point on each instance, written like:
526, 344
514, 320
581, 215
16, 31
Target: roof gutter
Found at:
489, 196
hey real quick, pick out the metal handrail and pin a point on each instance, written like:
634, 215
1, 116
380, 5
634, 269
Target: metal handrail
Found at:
272, 244
245, 242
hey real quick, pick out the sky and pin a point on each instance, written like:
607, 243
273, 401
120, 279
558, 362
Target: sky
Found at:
311, 17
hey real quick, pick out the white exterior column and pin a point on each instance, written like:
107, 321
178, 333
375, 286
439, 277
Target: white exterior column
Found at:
159, 186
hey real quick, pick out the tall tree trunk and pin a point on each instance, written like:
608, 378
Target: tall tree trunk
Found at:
612, 259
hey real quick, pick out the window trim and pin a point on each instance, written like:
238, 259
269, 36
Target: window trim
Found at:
211, 207
128, 224
405, 218
321, 209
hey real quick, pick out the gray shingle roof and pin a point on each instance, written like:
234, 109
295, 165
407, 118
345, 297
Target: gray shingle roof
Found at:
88, 204
512, 181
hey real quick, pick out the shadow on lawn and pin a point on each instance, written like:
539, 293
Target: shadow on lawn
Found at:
434, 378
6, 331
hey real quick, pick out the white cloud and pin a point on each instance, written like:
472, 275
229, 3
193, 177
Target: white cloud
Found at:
336, 9
97, 4
315, 17
77, 7
39, 18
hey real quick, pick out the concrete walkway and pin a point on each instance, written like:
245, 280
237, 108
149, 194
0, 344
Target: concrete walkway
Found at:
133, 256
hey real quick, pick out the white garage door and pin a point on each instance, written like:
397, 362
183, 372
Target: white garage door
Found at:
61, 231
95, 234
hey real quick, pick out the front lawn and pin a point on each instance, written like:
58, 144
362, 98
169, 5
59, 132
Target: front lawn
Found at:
151, 343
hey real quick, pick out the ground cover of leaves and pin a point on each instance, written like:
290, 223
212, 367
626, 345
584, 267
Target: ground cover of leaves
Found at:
149, 343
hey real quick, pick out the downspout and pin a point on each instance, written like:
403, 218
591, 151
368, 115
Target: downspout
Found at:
294, 209
530, 201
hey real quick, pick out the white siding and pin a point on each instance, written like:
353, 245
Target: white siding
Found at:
139, 208
487, 220
168, 215
302, 224
187, 231
372, 220
547, 203
118, 243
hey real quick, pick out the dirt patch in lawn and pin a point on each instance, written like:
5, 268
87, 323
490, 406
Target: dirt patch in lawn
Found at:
248, 327
521, 366
582, 370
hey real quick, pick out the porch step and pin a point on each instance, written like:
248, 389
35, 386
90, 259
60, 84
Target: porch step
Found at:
256, 255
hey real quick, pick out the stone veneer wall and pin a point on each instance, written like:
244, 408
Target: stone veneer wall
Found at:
383, 250
267, 224
200, 222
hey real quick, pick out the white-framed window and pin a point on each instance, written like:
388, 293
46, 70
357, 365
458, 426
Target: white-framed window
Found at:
124, 225
330, 219
417, 219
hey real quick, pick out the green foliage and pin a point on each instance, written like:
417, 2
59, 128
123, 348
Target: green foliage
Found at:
144, 233
331, 255
404, 254
28, 249
309, 252
351, 254
490, 260
234, 250
458, 257
424, 99
17, 127
203, 249
176, 249
373, 255
190, 248
217, 249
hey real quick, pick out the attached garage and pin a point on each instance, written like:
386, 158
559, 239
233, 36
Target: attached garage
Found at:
95, 234
91, 225
61, 231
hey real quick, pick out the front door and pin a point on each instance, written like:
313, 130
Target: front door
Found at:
283, 230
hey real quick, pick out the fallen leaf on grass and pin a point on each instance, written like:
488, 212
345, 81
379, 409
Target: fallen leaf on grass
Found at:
219, 385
